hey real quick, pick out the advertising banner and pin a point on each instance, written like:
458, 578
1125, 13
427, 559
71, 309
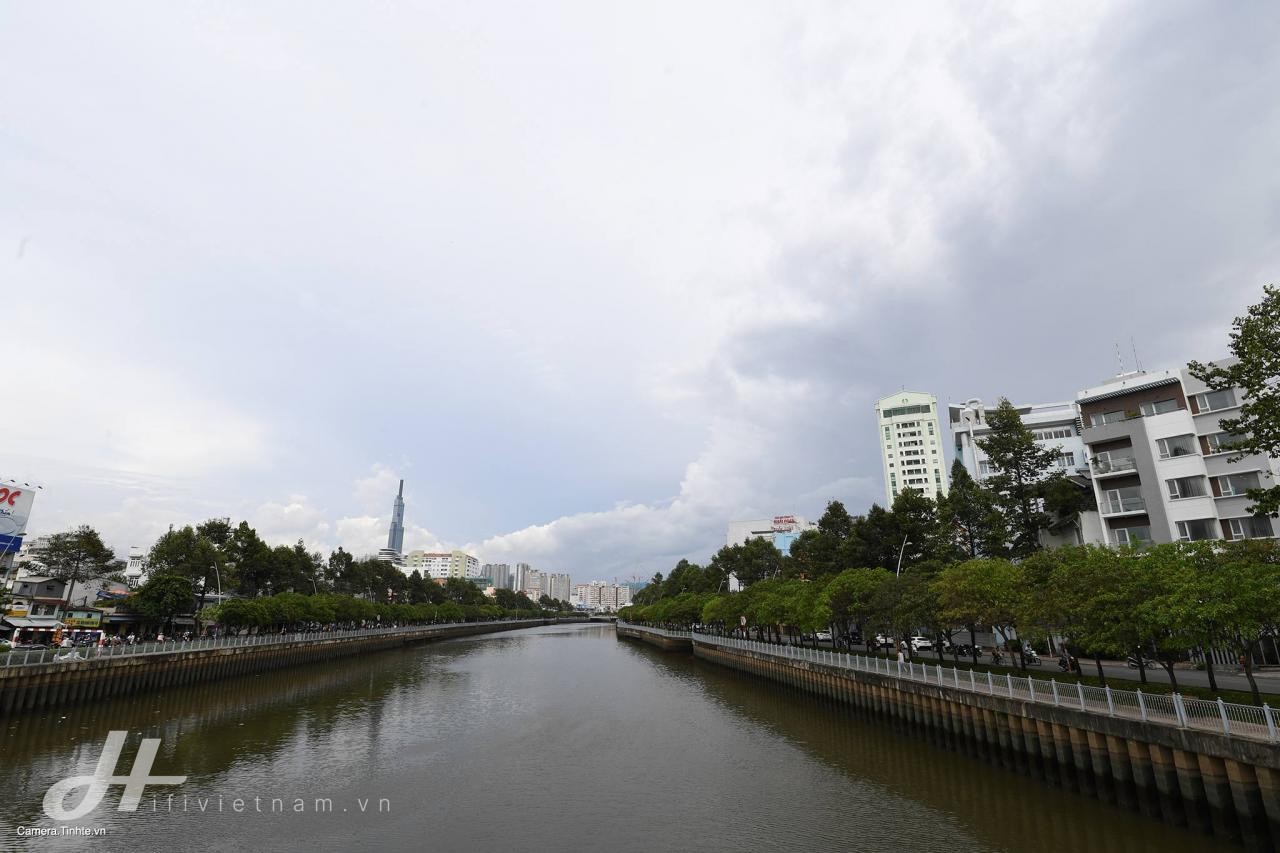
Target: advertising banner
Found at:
15, 509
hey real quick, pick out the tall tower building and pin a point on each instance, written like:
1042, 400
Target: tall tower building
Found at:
910, 438
395, 536
394, 552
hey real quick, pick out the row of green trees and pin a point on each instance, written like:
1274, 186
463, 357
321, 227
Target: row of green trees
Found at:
1160, 601
294, 610
281, 586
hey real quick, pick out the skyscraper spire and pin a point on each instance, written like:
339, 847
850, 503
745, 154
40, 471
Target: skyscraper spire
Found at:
395, 536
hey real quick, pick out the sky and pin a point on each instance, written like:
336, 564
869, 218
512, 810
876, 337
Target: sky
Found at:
594, 279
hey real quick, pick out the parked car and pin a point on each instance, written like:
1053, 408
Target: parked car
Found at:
884, 642
824, 636
921, 644
30, 647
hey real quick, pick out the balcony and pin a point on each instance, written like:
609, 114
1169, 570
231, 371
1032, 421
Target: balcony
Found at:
1128, 505
1111, 466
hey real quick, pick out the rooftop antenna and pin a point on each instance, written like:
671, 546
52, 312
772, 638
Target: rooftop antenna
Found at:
1119, 361
1137, 365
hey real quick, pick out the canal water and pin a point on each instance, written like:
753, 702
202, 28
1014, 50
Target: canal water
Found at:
561, 738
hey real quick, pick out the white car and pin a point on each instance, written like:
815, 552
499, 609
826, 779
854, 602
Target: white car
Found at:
921, 644
824, 636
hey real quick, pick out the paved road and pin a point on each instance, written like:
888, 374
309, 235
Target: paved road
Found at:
1268, 680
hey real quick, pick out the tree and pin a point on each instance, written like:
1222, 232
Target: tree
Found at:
1019, 466
751, 561
162, 597
982, 592
252, 561
969, 511
918, 534
1255, 343
190, 554
851, 594
75, 556
1244, 596
1064, 499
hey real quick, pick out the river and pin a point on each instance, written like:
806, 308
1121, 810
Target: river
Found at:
559, 738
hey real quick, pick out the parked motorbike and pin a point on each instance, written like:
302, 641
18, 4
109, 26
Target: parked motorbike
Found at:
1132, 662
1031, 657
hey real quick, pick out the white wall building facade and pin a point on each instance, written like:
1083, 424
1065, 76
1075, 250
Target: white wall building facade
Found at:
911, 449
1054, 425
1163, 469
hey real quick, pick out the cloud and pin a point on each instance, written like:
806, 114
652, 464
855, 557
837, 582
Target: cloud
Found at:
594, 281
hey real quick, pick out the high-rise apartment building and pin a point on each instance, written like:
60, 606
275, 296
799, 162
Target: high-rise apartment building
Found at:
499, 573
519, 576
559, 587
1161, 460
535, 584
910, 438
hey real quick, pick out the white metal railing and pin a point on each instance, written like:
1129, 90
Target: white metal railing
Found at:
1115, 506
662, 632
1173, 709
1114, 464
32, 657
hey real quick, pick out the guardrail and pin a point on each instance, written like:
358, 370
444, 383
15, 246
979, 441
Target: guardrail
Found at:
662, 632
33, 657
1172, 709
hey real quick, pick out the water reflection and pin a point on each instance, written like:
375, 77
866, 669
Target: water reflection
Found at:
551, 738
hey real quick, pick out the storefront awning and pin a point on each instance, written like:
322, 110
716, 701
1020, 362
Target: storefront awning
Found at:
47, 623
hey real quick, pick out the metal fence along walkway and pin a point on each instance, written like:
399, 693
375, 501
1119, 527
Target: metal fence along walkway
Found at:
1172, 709
32, 657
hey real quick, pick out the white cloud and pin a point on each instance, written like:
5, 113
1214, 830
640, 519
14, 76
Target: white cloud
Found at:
653, 258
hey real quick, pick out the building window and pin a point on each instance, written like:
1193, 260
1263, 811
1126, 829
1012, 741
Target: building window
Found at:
1066, 460
930, 427
1051, 434
1222, 442
984, 468
907, 410
1185, 487
1195, 531
1107, 418
1138, 535
1214, 401
1178, 445
1252, 527
1232, 485
1158, 408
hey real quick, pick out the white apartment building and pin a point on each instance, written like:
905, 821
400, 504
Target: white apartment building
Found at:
438, 565
1054, 426
1161, 460
602, 596
135, 571
911, 448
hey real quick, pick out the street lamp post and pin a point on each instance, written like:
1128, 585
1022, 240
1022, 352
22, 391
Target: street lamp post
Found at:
901, 551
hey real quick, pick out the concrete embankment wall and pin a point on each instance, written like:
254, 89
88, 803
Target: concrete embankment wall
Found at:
54, 685
667, 644
1210, 783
